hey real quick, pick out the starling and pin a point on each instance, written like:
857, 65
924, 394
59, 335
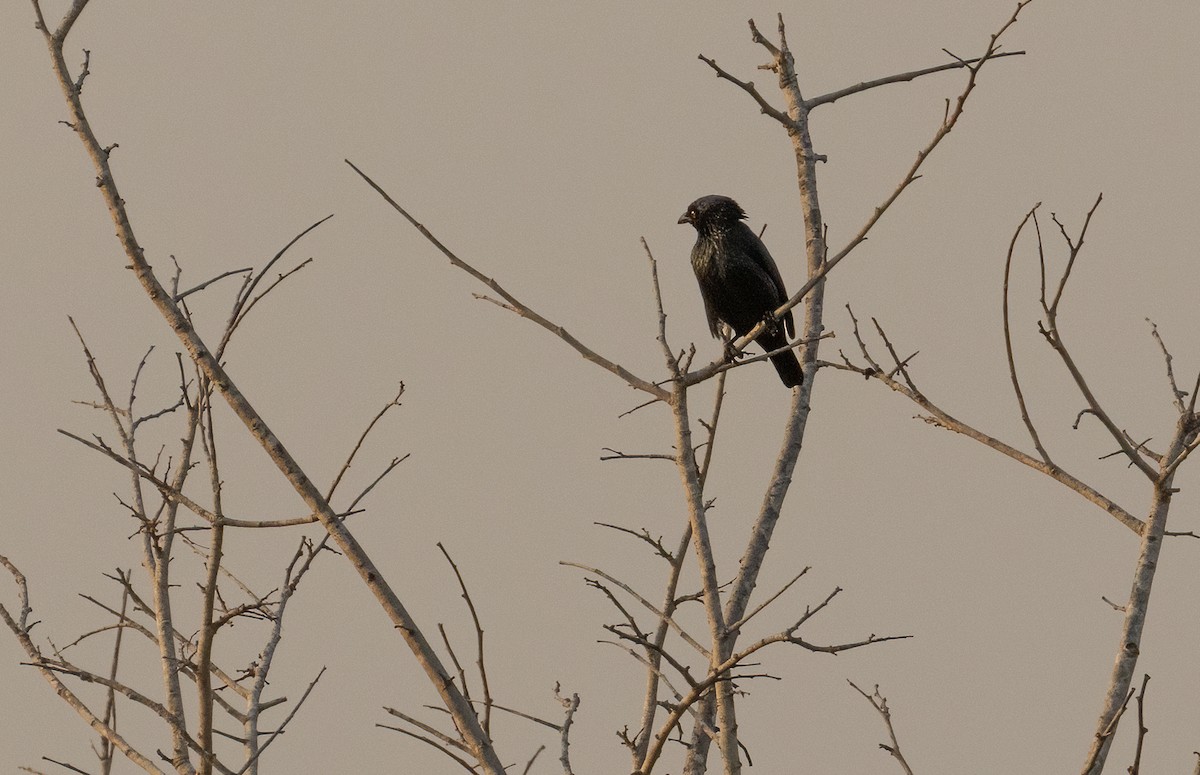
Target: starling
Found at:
739, 281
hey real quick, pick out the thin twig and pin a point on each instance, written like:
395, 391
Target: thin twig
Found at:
1008, 348
1053, 335
466, 765
518, 307
570, 705
362, 438
272, 736
526, 716
834, 96
532, 759
206, 283
479, 662
1136, 767
879, 702
1177, 395
645, 603
446, 740
739, 624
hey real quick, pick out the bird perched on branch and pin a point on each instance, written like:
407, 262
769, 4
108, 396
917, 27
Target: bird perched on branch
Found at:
739, 281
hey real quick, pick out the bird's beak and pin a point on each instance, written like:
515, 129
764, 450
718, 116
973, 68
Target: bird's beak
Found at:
684, 219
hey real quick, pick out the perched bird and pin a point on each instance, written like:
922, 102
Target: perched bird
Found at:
739, 281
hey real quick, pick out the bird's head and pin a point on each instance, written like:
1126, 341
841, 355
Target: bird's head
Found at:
713, 213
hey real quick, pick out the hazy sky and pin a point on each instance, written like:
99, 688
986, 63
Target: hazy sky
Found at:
540, 141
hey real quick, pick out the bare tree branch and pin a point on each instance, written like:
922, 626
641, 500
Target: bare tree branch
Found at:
1012, 364
19, 626
480, 746
1129, 645
879, 702
570, 705
517, 306
197, 288
912, 75
662, 615
479, 663
1136, 767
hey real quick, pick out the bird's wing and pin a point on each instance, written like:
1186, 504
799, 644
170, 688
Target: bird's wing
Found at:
714, 323
758, 251
703, 260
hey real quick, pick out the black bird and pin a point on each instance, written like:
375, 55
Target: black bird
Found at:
739, 281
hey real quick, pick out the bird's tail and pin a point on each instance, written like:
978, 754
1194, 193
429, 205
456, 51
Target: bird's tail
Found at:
788, 366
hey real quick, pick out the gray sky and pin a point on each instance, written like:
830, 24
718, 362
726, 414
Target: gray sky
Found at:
540, 142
